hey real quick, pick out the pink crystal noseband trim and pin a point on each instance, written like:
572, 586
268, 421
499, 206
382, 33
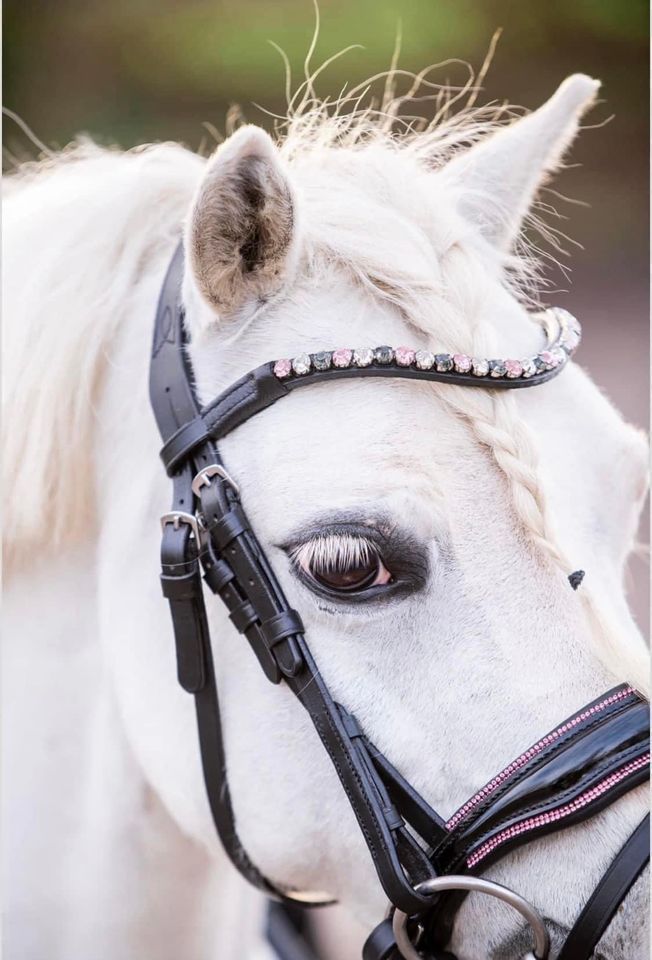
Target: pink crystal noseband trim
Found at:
552, 816
556, 353
505, 775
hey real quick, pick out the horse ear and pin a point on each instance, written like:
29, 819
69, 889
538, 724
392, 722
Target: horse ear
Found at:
241, 238
500, 176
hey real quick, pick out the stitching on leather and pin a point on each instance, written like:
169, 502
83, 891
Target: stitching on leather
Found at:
226, 397
228, 411
322, 735
318, 725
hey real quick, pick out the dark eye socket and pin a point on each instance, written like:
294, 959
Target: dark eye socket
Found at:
342, 565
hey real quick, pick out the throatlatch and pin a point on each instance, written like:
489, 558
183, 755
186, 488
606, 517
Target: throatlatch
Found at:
425, 865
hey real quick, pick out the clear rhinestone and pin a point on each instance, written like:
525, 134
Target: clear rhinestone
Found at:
480, 367
424, 359
443, 362
497, 368
539, 364
404, 356
462, 362
383, 355
363, 357
302, 363
566, 319
559, 355
570, 340
321, 360
342, 357
529, 368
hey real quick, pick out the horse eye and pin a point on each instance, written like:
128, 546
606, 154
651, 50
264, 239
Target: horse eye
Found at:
345, 572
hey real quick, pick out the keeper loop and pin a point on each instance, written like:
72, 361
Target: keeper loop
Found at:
393, 818
351, 725
184, 587
218, 575
227, 528
243, 616
285, 624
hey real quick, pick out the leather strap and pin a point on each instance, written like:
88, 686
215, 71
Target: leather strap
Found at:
610, 892
288, 932
174, 403
425, 822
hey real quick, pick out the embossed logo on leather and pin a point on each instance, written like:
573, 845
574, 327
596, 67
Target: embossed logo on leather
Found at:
165, 331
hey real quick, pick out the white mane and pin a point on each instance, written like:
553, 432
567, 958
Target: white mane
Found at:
114, 214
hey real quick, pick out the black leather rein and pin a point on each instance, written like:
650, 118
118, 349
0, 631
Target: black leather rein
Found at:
577, 769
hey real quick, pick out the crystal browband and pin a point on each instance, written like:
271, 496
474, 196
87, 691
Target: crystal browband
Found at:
262, 387
558, 349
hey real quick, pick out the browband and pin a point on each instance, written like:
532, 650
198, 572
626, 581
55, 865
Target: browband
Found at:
262, 387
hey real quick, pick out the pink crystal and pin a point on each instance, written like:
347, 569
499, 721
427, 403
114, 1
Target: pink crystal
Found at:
342, 357
283, 368
404, 356
462, 362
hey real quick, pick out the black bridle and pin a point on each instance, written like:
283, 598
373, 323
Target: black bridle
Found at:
579, 768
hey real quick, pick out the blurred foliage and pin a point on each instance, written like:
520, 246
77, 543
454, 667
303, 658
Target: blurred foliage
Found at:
146, 69
131, 71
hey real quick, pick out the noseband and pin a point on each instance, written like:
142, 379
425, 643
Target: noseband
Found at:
426, 865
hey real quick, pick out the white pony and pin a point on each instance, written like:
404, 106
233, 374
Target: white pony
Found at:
483, 503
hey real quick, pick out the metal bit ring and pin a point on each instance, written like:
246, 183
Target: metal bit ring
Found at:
478, 885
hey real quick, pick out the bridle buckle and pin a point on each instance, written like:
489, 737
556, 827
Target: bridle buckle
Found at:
203, 479
177, 517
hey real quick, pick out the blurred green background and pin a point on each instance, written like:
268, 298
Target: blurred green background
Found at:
142, 70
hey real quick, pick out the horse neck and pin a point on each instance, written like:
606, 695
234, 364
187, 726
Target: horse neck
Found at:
103, 865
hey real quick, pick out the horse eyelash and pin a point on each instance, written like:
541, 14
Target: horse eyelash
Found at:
334, 552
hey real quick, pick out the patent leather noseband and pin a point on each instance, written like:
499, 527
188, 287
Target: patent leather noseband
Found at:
424, 863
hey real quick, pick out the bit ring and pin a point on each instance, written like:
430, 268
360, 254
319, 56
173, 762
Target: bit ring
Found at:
478, 885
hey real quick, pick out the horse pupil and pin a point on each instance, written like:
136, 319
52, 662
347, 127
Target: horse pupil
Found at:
353, 578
